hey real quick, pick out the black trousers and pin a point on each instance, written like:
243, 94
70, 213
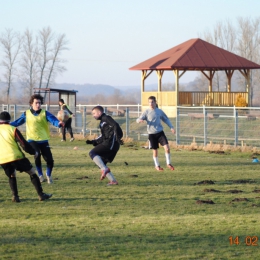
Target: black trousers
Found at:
68, 127
44, 150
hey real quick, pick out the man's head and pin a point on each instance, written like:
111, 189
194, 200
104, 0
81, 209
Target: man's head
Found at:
5, 117
36, 101
152, 102
61, 102
97, 111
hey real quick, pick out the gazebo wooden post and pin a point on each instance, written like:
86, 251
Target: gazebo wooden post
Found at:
159, 90
177, 77
229, 74
248, 88
246, 74
143, 79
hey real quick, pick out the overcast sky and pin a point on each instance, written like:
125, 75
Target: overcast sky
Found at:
107, 37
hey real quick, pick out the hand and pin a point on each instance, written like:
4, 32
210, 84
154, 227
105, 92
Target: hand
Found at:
121, 142
173, 130
62, 124
36, 155
89, 142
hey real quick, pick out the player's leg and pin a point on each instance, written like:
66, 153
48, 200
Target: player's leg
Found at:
164, 142
37, 185
99, 156
69, 128
38, 163
10, 172
47, 156
153, 143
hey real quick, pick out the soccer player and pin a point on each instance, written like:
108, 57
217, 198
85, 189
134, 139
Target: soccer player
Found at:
67, 123
12, 158
107, 144
38, 133
153, 116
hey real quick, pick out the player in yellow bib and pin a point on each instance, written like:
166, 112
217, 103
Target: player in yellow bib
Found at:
12, 158
38, 133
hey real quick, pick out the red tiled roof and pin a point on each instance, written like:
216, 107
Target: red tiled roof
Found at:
196, 54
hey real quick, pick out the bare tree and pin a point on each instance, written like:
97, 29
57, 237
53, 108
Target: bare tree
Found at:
55, 60
249, 46
44, 51
29, 72
224, 36
11, 42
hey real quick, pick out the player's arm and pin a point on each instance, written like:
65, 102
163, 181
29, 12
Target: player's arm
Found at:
23, 143
21, 120
68, 110
53, 119
167, 121
142, 118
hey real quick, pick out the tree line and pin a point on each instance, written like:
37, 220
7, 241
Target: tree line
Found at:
243, 39
33, 60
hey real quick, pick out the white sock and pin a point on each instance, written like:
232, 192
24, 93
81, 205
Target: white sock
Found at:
168, 158
156, 161
110, 176
98, 161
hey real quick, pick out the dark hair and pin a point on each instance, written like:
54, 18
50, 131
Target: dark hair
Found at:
152, 98
5, 116
100, 108
61, 100
35, 96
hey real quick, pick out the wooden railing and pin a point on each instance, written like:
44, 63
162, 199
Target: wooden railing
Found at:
210, 99
168, 98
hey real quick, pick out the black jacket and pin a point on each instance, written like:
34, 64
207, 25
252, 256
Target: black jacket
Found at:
109, 131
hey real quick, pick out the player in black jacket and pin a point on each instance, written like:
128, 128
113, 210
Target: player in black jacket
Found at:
107, 144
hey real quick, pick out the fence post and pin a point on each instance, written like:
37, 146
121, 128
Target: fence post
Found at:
178, 127
15, 111
127, 122
205, 125
84, 121
236, 126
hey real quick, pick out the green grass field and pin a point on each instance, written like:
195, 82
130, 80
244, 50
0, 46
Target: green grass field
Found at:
149, 215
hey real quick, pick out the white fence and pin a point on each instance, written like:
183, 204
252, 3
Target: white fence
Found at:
203, 125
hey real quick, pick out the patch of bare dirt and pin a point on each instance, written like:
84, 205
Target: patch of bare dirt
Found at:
205, 182
82, 178
211, 190
234, 191
243, 181
239, 200
205, 202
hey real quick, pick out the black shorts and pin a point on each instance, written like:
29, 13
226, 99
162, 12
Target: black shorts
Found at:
105, 153
155, 139
22, 165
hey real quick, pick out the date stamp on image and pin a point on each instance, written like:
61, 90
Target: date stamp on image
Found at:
248, 240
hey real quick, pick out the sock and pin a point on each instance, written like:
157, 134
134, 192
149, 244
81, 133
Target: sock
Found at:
156, 161
168, 158
48, 172
36, 183
110, 176
39, 170
98, 161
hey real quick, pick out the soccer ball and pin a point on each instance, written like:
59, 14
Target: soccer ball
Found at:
63, 115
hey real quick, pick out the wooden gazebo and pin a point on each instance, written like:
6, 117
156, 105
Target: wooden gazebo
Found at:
195, 55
